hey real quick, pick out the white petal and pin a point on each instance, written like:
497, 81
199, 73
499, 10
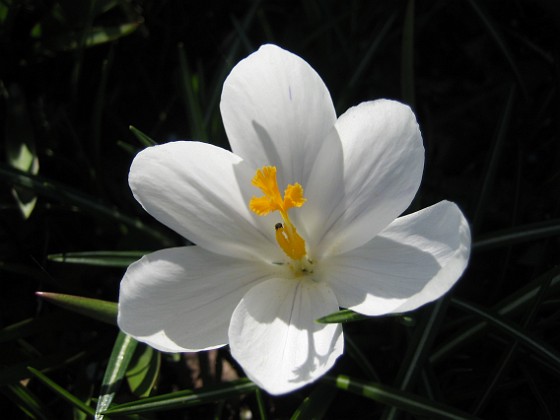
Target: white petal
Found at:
383, 162
277, 111
415, 260
274, 337
201, 192
182, 299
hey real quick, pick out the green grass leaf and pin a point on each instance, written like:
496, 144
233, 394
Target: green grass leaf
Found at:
99, 258
407, 56
191, 99
143, 370
70, 196
518, 234
345, 315
60, 391
317, 404
406, 401
27, 401
122, 353
90, 37
20, 146
100, 310
510, 305
540, 348
142, 137
187, 398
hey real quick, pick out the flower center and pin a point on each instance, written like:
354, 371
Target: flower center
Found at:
287, 237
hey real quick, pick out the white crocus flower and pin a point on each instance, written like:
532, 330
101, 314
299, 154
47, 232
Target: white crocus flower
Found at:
301, 218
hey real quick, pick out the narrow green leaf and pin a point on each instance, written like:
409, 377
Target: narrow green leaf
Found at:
317, 404
100, 310
365, 59
76, 402
187, 398
407, 55
143, 138
518, 234
14, 372
20, 146
99, 258
70, 196
31, 326
498, 39
26, 401
143, 370
511, 304
406, 401
361, 360
189, 93
540, 348
418, 349
260, 404
99, 106
492, 164
228, 63
345, 315
121, 355
89, 37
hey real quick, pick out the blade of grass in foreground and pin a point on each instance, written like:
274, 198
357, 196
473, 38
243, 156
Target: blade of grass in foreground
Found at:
316, 405
345, 315
122, 353
418, 349
260, 404
101, 310
143, 370
76, 402
406, 401
182, 399
509, 328
99, 258
509, 305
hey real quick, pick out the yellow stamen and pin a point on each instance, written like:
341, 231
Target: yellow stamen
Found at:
286, 235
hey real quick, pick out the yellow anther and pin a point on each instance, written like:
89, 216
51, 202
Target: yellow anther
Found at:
290, 242
293, 196
286, 235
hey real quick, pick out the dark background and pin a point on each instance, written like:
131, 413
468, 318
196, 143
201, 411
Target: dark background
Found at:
483, 79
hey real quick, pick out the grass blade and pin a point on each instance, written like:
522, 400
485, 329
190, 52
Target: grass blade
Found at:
518, 234
510, 305
99, 258
122, 353
100, 310
492, 165
316, 405
187, 398
27, 401
512, 330
70, 196
143, 138
76, 402
404, 400
345, 315
418, 349
495, 34
191, 98
407, 56
144, 370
